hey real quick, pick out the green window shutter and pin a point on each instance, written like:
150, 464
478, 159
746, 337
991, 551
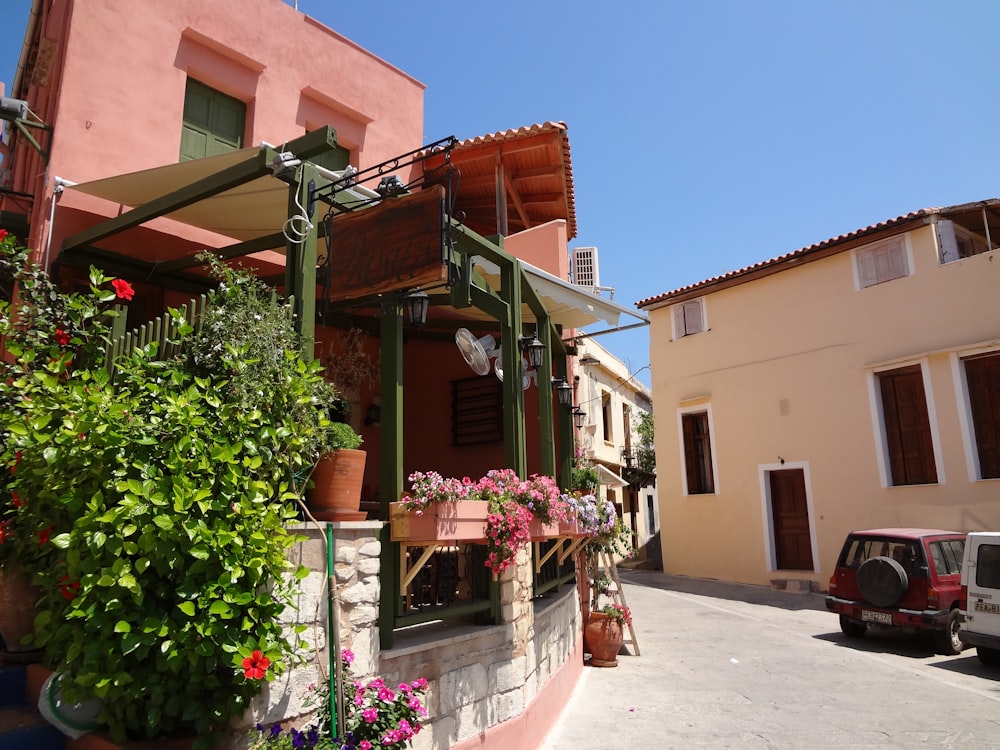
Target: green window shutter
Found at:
213, 122
336, 160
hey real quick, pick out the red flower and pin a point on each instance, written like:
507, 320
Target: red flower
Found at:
16, 499
4, 531
17, 460
62, 338
3, 234
255, 666
123, 289
68, 588
43, 535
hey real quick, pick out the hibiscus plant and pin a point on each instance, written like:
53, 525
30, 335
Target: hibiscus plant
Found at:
160, 493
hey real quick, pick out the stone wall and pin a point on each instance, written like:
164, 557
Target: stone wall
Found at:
481, 678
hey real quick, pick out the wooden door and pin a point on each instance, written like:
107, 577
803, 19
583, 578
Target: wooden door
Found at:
790, 520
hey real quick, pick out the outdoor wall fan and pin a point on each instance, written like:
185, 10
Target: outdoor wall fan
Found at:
477, 353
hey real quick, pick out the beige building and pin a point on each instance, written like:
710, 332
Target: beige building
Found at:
612, 401
854, 383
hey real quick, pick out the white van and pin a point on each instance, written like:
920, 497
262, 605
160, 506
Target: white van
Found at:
981, 595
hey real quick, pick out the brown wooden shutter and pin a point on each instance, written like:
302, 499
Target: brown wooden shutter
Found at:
982, 375
688, 427
907, 427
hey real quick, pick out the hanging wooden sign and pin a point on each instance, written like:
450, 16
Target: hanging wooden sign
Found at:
397, 244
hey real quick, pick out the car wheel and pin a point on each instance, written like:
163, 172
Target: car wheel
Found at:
947, 640
988, 656
882, 581
852, 628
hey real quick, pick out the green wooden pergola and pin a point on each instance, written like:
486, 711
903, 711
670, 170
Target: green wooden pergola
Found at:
250, 195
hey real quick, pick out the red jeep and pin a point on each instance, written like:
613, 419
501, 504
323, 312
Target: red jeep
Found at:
906, 578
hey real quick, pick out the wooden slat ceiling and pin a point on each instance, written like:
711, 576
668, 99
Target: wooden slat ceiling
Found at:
537, 174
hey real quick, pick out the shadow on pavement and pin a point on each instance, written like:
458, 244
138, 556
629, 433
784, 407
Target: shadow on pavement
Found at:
740, 592
885, 641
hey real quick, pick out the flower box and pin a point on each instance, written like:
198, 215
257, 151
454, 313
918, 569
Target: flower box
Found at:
541, 531
572, 527
460, 521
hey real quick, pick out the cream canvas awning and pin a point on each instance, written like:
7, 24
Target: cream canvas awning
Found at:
569, 305
246, 212
608, 478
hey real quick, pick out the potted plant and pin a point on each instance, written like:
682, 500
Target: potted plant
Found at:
338, 475
604, 634
437, 508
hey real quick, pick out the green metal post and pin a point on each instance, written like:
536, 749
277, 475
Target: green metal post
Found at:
390, 461
300, 260
333, 639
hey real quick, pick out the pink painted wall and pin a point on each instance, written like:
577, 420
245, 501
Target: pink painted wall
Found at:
545, 246
116, 100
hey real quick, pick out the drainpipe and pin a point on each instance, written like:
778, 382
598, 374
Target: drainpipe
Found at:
335, 672
59, 184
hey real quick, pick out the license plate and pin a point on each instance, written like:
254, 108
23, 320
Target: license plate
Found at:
988, 607
883, 617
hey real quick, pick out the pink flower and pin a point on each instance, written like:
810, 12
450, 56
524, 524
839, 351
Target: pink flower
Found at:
370, 715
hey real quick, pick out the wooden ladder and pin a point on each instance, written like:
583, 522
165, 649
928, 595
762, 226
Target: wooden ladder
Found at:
606, 560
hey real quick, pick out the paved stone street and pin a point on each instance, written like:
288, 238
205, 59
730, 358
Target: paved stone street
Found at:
735, 666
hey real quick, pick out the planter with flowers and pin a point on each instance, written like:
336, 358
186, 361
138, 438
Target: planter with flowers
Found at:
604, 634
375, 716
439, 509
158, 495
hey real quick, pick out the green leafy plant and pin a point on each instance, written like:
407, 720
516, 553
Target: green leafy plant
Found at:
162, 496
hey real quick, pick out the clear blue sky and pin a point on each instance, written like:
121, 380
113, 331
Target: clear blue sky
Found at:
706, 135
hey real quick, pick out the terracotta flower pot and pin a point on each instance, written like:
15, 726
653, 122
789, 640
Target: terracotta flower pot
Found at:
602, 639
17, 610
337, 481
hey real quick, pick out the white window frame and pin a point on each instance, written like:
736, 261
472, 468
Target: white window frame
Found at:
679, 318
899, 245
878, 422
713, 442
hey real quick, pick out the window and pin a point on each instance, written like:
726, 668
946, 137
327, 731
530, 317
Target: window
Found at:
882, 262
947, 556
982, 377
213, 122
650, 515
907, 427
697, 454
988, 566
335, 160
606, 416
956, 242
476, 411
689, 317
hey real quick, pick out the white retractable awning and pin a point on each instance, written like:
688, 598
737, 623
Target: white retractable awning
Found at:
607, 477
569, 305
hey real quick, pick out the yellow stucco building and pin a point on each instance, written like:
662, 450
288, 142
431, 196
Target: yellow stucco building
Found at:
851, 384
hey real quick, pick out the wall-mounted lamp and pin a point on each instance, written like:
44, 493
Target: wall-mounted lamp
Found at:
373, 415
416, 307
589, 359
533, 348
578, 416
564, 391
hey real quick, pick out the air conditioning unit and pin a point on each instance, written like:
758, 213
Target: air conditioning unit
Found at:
585, 271
13, 109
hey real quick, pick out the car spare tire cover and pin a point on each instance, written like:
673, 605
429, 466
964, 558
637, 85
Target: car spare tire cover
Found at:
882, 581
